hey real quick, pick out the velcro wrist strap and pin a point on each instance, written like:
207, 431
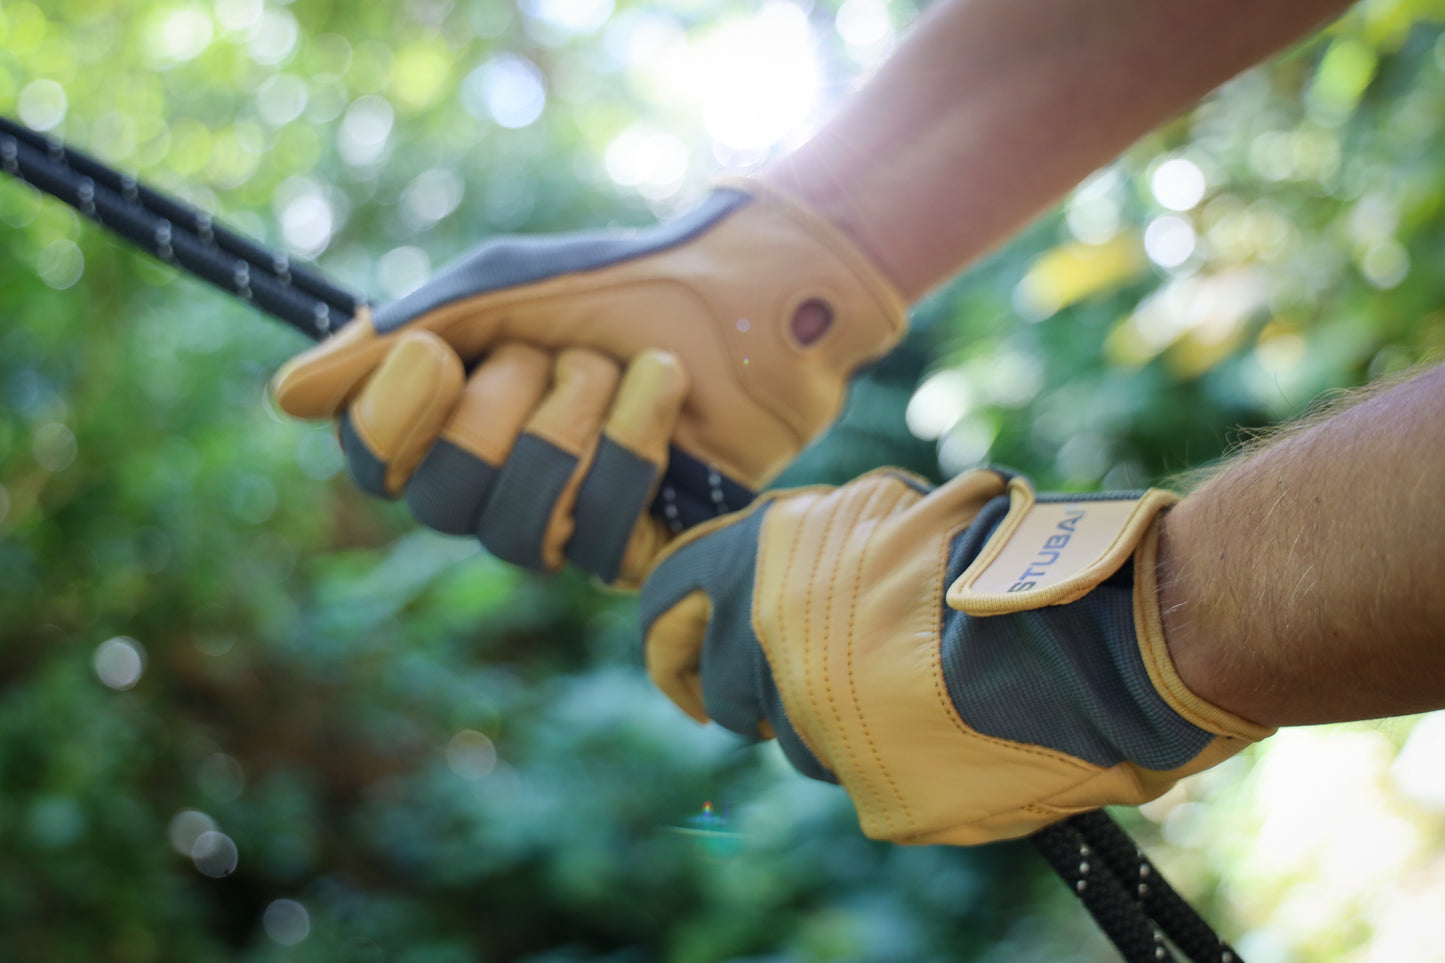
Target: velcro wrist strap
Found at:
1053, 552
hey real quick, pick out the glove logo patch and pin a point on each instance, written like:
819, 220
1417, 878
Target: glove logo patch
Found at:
1053, 547
1047, 553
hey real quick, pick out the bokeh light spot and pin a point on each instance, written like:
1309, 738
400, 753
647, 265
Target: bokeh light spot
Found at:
60, 264
54, 446
215, 854
572, 16
281, 99
274, 39
42, 104
509, 89
286, 922
1385, 263
178, 34
653, 161
1178, 184
365, 130
863, 23
239, 15
119, 662
186, 827
1169, 240
938, 404
471, 755
431, 196
402, 270
757, 79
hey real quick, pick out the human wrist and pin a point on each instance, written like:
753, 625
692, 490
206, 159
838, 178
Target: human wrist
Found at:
1191, 627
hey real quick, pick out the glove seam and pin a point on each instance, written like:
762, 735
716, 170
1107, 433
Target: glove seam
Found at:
835, 506
853, 595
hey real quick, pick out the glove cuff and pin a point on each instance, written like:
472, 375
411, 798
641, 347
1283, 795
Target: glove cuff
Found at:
1154, 649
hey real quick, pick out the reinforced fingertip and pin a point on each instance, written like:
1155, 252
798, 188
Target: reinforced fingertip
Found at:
318, 382
649, 402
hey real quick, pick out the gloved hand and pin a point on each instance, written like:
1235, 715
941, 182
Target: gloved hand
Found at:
971, 663
731, 331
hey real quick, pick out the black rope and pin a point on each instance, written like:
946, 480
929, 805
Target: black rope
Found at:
1132, 903
176, 233
690, 492
1179, 921
1123, 920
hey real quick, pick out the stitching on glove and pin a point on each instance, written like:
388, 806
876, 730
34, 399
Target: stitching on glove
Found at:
863, 554
833, 512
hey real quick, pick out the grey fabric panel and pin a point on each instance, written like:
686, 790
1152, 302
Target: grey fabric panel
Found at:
611, 499
510, 261
368, 471
738, 687
1069, 677
449, 488
515, 517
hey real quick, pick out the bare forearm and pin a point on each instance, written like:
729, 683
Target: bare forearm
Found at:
1304, 583
992, 109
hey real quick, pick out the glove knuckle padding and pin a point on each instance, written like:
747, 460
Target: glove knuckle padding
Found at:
950, 726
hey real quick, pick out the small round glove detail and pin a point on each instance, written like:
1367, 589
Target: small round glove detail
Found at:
730, 331
971, 663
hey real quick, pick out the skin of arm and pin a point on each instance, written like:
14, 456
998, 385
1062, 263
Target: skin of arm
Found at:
1305, 583
990, 110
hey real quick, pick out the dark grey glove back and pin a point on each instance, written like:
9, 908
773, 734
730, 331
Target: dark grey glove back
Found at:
737, 685
512, 261
1069, 677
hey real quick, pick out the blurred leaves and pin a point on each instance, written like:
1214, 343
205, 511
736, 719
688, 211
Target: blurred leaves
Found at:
435, 757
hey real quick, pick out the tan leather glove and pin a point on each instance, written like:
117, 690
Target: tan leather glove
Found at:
971, 663
731, 331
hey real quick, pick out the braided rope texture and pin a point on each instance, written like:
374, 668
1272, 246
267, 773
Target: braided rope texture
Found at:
1132, 903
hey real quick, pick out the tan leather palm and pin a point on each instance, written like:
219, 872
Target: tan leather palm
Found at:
722, 302
848, 606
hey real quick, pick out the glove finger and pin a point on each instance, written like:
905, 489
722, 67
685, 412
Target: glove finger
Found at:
399, 411
696, 611
612, 500
319, 382
451, 485
528, 519
672, 641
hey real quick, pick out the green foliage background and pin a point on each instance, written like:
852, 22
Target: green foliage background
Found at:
310, 659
